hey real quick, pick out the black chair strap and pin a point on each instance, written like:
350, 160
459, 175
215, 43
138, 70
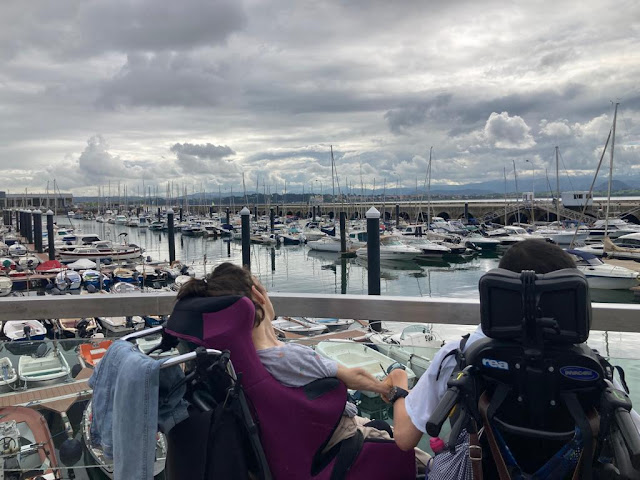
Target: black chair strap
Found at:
349, 451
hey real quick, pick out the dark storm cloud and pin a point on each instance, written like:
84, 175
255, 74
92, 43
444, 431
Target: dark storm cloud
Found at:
411, 115
166, 79
203, 151
207, 159
483, 83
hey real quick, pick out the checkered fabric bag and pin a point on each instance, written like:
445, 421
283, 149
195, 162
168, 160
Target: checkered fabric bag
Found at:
453, 466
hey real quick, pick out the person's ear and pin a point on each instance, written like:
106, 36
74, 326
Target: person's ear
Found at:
258, 296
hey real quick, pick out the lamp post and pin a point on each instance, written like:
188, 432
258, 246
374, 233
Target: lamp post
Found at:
533, 189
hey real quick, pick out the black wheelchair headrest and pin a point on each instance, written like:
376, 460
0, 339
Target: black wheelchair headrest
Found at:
554, 307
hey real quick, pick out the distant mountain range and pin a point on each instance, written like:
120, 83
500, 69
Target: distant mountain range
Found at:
489, 188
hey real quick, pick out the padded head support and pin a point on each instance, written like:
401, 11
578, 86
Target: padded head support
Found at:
512, 304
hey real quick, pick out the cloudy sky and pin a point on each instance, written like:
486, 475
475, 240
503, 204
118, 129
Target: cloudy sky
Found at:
198, 92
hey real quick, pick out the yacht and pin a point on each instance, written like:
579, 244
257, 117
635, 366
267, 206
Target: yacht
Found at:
133, 222
602, 275
614, 227
392, 249
429, 249
121, 220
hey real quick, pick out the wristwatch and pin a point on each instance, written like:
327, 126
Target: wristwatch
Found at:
396, 392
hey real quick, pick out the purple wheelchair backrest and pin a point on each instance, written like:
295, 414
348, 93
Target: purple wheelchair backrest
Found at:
294, 424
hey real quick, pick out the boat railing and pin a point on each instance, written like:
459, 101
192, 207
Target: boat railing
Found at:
614, 317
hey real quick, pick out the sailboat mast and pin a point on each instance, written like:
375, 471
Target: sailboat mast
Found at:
557, 188
504, 169
613, 142
429, 190
333, 178
515, 176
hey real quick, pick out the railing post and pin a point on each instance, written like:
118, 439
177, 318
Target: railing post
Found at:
314, 213
272, 220
29, 227
245, 215
10, 218
172, 238
228, 217
211, 211
180, 213
37, 230
50, 236
20, 216
397, 216
343, 232
255, 213
373, 256
159, 213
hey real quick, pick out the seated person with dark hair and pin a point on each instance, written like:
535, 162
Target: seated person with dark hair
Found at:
294, 364
412, 413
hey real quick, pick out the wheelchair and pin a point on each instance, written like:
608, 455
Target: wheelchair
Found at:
537, 402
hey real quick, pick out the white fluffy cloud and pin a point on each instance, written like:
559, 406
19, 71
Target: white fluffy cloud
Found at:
264, 88
503, 131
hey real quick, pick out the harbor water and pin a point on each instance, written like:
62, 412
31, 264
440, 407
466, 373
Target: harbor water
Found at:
300, 270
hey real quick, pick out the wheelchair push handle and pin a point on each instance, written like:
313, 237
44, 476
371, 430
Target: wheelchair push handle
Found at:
442, 411
629, 434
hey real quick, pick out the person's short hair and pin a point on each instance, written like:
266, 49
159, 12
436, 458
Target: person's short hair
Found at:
537, 255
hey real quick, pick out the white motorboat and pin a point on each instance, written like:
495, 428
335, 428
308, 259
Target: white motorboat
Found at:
119, 326
5, 286
563, 236
45, 367
133, 222
613, 228
428, 248
29, 261
264, 239
8, 375
484, 243
332, 324
121, 220
312, 232
19, 330
102, 250
82, 264
327, 244
298, 325
602, 275
624, 247
392, 249
409, 346
353, 354
124, 287
358, 238
68, 280
17, 249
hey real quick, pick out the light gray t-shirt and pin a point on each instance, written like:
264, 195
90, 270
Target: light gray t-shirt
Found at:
296, 365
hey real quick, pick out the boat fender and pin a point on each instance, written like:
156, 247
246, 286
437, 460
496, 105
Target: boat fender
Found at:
70, 451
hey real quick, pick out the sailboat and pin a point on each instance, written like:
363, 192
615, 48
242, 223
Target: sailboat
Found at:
556, 232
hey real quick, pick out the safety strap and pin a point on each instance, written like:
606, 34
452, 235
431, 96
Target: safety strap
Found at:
483, 404
475, 454
349, 451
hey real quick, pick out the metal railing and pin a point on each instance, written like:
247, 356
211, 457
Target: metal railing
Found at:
613, 317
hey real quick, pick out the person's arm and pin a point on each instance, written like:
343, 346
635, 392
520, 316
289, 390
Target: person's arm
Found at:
360, 379
405, 434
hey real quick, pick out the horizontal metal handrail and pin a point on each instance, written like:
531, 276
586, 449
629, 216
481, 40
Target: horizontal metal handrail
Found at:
615, 317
